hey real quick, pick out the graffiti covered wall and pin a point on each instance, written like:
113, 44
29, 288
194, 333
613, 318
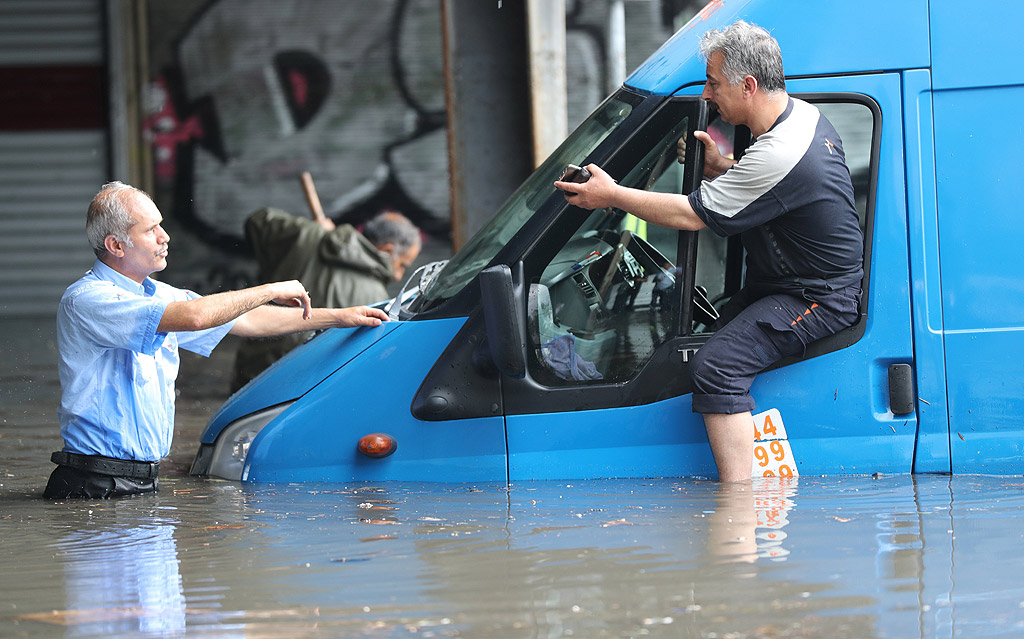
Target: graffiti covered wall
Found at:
255, 92
247, 94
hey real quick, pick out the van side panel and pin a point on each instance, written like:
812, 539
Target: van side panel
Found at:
978, 137
978, 134
931, 454
824, 38
816, 37
976, 45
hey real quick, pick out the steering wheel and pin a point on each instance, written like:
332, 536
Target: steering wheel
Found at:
622, 262
620, 253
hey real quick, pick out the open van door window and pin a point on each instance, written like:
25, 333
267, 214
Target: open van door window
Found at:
720, 267
610, 294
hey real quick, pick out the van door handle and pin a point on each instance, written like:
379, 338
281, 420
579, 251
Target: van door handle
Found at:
901, 389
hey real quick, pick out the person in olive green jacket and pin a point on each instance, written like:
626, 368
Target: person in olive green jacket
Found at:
339, 266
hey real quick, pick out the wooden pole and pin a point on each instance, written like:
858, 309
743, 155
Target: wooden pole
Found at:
311, 197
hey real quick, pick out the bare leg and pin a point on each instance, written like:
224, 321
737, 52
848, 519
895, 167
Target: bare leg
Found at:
732, 532
732, 444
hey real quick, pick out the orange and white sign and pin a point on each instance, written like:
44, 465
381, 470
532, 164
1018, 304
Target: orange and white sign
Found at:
773, 456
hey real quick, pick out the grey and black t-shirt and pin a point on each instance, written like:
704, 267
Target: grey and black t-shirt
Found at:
791, 199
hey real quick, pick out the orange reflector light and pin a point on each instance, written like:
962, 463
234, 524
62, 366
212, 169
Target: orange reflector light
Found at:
377, 445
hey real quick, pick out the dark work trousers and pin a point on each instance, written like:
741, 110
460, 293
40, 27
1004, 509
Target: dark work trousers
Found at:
755, 332
67, 483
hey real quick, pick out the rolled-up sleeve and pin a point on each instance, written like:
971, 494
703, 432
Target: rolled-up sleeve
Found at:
114, 318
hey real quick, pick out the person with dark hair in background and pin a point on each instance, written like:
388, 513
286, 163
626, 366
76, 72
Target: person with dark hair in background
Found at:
339, 266
118, 334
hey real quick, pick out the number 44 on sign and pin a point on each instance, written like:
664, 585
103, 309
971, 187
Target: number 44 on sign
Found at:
773, 456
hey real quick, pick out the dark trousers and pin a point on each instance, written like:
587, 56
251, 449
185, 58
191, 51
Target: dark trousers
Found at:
68, 483
754, 333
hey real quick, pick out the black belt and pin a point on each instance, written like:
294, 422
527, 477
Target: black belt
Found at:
107, 465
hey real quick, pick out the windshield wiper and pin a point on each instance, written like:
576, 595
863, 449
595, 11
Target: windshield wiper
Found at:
426, 273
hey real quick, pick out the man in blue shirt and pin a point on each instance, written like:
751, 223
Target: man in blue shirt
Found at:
118, 334
790, 198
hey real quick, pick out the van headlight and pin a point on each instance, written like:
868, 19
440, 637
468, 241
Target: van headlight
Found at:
226, 457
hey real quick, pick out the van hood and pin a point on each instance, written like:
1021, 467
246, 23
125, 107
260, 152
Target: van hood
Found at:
297, 373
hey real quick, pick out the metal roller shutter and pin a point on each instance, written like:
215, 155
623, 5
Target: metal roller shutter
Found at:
53, 147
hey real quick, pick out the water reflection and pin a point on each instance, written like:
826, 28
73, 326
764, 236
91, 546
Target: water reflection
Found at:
121, 581
607, 559
851, 557
748, 520
556, 559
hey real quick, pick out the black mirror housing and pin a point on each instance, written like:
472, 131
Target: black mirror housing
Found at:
506, 339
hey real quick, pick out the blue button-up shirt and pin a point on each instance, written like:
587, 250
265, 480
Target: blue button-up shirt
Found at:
116, 371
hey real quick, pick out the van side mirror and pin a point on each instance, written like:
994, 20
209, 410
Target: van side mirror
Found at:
506, 340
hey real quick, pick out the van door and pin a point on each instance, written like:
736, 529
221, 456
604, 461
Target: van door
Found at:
606, 392
609, 327
836, 402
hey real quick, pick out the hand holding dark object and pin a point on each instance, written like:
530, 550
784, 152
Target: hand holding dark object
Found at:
574, 173
595, 191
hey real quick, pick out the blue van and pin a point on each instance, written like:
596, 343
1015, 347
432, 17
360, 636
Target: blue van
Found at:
555, 344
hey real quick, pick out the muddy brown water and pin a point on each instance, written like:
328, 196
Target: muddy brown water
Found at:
895, 556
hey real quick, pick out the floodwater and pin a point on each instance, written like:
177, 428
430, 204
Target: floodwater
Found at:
860, 557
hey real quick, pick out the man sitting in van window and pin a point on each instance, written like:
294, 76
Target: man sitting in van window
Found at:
118, 333
790, 198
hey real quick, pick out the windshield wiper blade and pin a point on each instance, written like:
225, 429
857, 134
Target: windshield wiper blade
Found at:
426, 273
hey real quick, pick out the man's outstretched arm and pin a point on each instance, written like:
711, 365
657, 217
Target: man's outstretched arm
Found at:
671, 210
270, 320
220, 308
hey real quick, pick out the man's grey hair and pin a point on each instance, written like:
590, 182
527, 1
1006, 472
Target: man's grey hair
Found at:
391, 227
746, 49
109, 215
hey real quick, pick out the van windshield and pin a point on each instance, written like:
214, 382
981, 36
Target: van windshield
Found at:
524, 202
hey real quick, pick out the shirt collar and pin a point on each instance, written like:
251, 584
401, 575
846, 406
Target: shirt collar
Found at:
103, 272
785, 114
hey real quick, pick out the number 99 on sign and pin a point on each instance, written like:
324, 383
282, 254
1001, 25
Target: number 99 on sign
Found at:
773, 459
773, 456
